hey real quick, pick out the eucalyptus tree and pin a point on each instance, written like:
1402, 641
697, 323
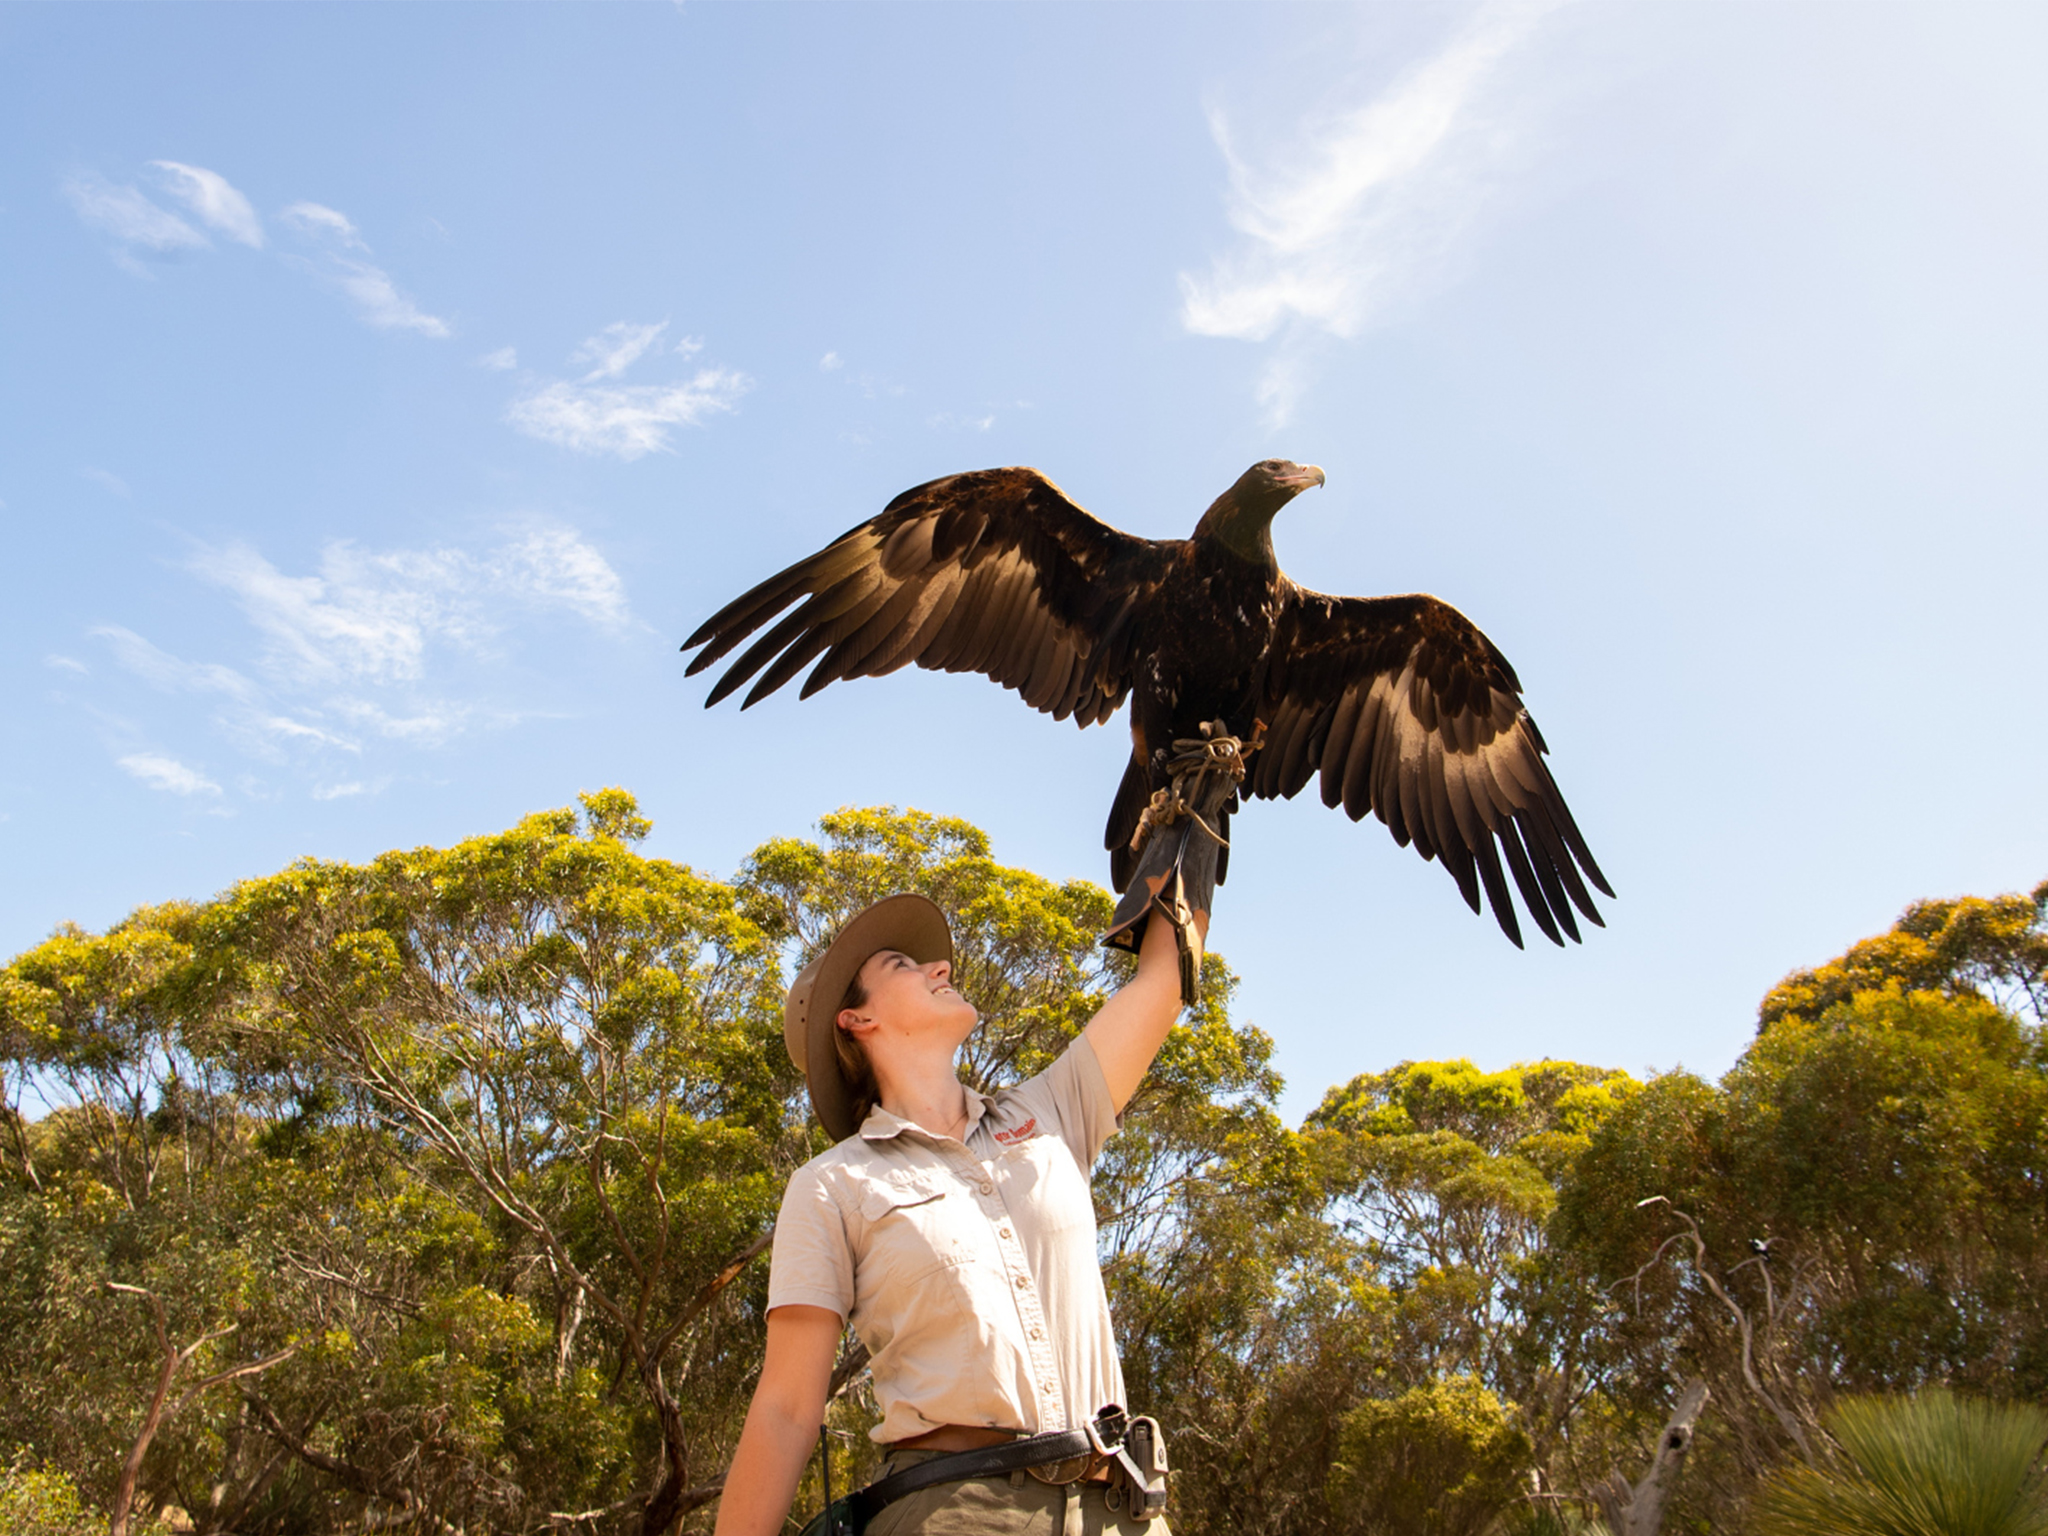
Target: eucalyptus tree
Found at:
584, 1038
1447, 1175
1855, 1208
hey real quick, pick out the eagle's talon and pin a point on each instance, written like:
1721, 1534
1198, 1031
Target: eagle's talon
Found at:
1215, 751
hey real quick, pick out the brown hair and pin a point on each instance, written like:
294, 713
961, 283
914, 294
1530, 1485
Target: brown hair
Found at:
854, 1065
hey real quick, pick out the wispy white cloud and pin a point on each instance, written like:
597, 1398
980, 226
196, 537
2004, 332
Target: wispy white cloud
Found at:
554, 568
373, 651
377, 298
353, 621
1364, 206
831, 362
350, 788
593, 415
689, 346
325, 223
504, 360
139, 224
129, 217
106, 480
428, 725
248, 716
218, 205
380, 302
285, 728
616, 348
625, 420
947, 420
160, 668
167, 773
371, 617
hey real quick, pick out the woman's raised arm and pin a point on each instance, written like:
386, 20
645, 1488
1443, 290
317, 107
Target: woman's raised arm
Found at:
1129, 1029
782, 1422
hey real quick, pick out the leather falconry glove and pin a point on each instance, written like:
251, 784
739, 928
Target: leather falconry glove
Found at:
1177, 845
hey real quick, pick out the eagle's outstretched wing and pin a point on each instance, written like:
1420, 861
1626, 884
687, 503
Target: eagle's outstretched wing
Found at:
993, 571
1408, 711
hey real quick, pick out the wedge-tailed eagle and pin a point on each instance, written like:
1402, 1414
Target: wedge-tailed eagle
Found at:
1399, 705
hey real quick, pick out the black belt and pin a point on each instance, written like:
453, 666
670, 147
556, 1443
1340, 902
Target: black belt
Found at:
849, 1516
989, 1461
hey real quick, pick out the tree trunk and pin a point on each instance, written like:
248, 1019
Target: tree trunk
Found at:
153, 1419
1638, 1510
667, 1504
131, 1469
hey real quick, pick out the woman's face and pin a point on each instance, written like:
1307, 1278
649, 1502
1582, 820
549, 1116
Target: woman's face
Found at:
908, 999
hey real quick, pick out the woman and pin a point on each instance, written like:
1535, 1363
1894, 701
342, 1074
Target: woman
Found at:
954, 1229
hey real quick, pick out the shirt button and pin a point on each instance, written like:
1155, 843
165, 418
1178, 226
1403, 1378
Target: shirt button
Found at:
1023, 1282
987, 1188
1038, 1333
1003, 1233
1047, 1388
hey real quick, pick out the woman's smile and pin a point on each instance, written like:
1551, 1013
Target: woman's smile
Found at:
897, 985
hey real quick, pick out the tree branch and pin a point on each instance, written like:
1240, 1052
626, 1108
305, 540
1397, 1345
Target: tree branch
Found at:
1786, 1420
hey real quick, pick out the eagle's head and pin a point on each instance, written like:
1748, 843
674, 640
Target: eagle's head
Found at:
1241, 519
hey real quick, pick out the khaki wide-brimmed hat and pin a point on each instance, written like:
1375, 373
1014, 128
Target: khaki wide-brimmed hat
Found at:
907, 923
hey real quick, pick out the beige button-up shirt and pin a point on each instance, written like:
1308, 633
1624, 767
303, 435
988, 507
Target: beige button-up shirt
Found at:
967, 1268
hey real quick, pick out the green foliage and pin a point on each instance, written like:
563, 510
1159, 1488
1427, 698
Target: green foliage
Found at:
1929, 1465
1994, 948
1444, 1174
1439, 1460
1855, 1208
35, 1502
477, 1149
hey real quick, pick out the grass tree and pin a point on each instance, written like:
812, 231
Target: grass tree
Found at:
1933, 1464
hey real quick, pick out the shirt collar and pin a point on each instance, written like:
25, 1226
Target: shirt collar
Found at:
882, 1125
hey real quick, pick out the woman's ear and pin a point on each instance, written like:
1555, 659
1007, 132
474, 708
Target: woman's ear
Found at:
853, 1023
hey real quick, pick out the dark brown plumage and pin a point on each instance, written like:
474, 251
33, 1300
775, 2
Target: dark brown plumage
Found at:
1400, 704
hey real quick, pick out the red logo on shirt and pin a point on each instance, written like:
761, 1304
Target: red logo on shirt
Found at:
1028, 1128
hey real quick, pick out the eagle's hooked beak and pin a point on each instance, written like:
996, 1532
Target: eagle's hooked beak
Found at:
1304, 477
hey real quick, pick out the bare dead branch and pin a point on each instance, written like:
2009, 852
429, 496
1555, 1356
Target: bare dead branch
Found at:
1786, 1420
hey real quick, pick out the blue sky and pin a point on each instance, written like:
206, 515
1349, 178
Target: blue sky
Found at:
386, 391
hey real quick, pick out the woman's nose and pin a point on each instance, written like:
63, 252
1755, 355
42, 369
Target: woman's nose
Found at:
940, 970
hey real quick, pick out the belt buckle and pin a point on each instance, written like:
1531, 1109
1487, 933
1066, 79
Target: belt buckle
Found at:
1106, 1430
1073, 1470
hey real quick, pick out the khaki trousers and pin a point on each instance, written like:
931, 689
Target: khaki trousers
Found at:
1011, 1504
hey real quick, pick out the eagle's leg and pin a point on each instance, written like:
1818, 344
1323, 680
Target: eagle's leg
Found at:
1176, 873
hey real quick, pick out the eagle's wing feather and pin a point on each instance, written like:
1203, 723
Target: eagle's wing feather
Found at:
994, 571
1406, 710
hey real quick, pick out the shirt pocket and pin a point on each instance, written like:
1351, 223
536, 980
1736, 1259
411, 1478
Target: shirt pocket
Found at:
916, 1225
